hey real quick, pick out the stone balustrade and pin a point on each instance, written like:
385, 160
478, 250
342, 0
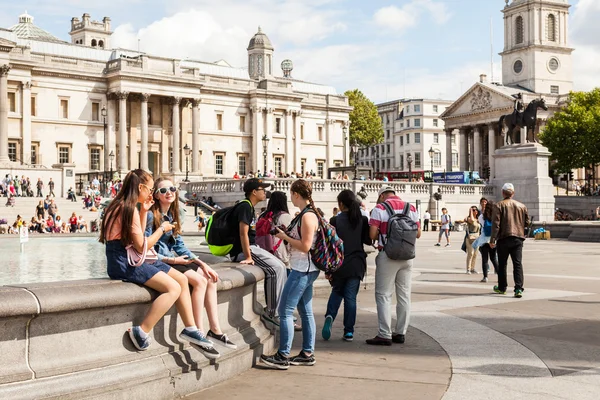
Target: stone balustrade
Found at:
69, 340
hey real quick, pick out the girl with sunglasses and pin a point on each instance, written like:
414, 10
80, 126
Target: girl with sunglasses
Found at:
123, 225
172, 250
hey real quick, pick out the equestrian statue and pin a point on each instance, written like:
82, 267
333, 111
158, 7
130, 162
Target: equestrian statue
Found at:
519, 119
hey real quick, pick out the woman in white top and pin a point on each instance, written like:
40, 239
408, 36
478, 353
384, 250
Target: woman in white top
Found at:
298, 290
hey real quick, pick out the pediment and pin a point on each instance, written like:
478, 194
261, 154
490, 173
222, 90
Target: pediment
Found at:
7, 45
478, 99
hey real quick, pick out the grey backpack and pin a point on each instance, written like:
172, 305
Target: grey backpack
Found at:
401, 234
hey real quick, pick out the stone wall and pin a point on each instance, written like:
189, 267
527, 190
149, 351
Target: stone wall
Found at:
578, 205
69, 339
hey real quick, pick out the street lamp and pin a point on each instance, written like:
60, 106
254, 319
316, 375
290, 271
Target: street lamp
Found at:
345, 131
433, 205
265, 142
103, 112
187, 151
111, 156
354, 148
409, 160
431, 154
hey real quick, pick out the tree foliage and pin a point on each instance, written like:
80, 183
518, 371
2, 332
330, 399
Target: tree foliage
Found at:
573, 134
365, 124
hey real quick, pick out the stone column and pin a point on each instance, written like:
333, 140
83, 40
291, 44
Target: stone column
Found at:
329, 134
269, 133
471, 152
109, 135
289, 144
144, 134
477, 149
449, 133
26, 135
4, 113
176, 135
523, 133
195, 135
165, 109
122, 167
491, 150
463, 149
256, 138
297, 143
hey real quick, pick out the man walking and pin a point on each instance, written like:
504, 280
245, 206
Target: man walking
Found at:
39, 185
446, 220
426, 219
509, 220
51, 188
390, 274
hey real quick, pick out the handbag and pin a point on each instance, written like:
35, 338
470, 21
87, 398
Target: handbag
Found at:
135, 258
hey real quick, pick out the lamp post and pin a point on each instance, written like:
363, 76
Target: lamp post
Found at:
431, 154
111, 156
345, 131
265, 142
432, 201
187, 151
354, 148
104, 114
409, 160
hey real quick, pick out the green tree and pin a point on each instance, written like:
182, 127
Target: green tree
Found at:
365, 124
573, 133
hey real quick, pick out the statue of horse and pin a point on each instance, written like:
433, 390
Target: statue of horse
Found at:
508, 123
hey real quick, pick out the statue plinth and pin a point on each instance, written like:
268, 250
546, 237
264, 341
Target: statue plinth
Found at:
526, 166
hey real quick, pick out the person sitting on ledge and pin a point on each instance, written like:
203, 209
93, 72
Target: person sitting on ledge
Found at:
172, 250
82, 224
123, 227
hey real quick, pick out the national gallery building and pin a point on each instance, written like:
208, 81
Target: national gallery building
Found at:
95, 108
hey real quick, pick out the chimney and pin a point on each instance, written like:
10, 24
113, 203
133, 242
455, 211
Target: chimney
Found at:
483, 78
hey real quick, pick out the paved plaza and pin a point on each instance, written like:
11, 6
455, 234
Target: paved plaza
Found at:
464, 341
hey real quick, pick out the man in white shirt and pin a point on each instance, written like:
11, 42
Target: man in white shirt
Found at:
445, 228
426, 219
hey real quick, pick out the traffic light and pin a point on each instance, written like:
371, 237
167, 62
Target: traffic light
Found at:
570, 175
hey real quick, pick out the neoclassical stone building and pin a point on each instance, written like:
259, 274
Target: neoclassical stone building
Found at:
536, 63
77, 103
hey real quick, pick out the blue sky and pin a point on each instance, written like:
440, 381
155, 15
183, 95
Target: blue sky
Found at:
388, 49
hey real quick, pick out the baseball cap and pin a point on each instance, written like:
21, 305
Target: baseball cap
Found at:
255, 183
385, 189
508, 187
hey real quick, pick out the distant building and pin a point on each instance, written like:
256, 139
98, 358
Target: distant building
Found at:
410, 127
62, 97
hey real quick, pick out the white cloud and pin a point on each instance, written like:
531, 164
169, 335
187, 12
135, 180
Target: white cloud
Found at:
400, 18
585, 31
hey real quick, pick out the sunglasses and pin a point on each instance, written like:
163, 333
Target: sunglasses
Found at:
164, 190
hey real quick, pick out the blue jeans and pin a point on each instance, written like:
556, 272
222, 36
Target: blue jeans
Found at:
297, 292
344, 289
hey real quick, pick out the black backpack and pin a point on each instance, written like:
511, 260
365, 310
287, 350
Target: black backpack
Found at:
219, 234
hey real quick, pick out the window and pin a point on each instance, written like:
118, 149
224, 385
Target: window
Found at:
417, 160
554, 89
338, 163
101, 44
519, 34
417, 108
551, 28
435, 108
454, 159
242, 165
35, 147
435, 122
242, 126
407, 108
387, 118
436, 138
219, 122
417, 122
64, 108
12, 151
95, 158
278, 161
95, 112
12, 102
408, 123
437, 159
320, 129
303, 166
417, 137
320, 169
408, 138
150, 120
453, 138
388, 164
94, 43
219, 164
278, 125
401, 161
387, 134
33, 107
401, 140
388, 149
301, 131
64, 154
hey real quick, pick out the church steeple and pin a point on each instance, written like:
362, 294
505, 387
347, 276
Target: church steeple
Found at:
536, 52
260, 56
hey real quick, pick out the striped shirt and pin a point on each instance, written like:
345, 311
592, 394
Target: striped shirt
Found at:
380, 217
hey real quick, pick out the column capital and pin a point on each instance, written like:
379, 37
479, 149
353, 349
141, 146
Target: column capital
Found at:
111, 96
144, 97
4, 70
26, 85
175, 101
122, 95
196, 102
256, 109
330, 121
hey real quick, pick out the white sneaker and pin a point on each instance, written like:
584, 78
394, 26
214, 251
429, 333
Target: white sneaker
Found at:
468, 272
485, 279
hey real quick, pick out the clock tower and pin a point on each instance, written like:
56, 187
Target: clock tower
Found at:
536, 52
260, 56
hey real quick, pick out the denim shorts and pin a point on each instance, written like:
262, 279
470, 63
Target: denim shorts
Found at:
117, 266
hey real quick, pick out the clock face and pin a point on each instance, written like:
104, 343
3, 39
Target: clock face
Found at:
553, 64
518, 66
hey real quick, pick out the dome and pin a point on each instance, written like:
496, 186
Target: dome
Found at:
25, 29
260, 41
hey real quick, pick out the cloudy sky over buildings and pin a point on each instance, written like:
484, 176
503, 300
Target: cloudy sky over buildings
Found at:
388, 49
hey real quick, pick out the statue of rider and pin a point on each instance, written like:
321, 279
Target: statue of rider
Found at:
519, 107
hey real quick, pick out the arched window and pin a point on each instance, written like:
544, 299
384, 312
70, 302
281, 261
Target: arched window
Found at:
519, 30
101, 44
94, 43
551, 28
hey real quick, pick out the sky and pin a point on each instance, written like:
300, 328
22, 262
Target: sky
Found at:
387, 49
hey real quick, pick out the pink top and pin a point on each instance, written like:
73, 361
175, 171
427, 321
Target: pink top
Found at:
115, 229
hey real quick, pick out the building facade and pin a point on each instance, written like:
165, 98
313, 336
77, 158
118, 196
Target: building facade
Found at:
99, 108
411, 128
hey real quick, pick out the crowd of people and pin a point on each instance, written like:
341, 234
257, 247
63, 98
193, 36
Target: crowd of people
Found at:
281, 175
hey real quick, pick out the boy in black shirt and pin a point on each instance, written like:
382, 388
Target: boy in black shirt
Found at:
245, 250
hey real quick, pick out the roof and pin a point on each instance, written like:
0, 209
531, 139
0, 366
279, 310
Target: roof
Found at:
25, 29
260, 41
307, 87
